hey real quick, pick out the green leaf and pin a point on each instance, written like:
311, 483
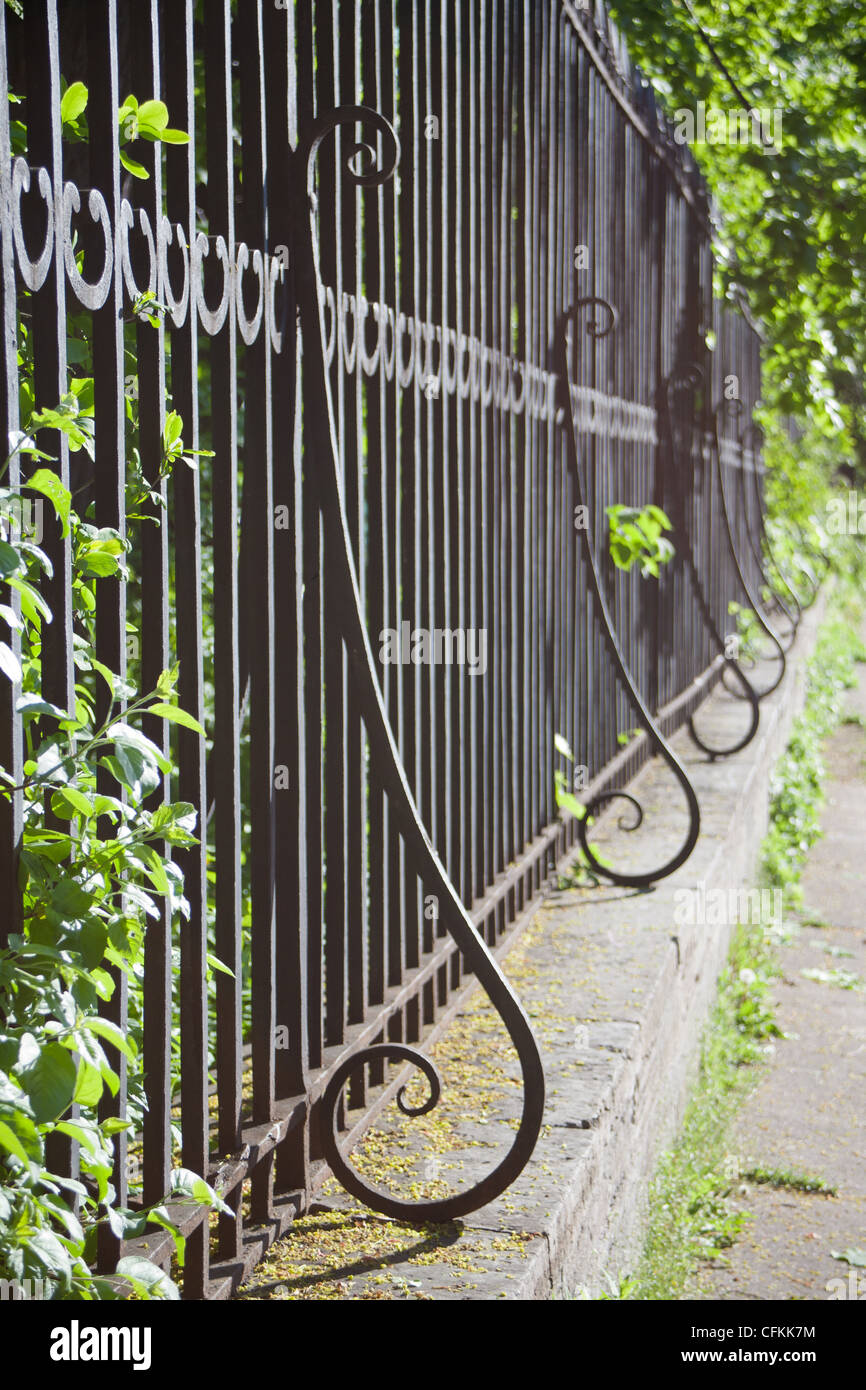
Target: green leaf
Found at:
174, 137
177, 816
218, 965
189, 1184
125, 1224
126, 737
70, 803
91, 942
176, 716
568, 802
107, 676
82, 1131
53, 762
9, 663
33, 704
73, 102
167, 680
69, 899
851, 1257
103, 983
88, 1085
10, 560
17, 1118
160, 1217
660, 516
154, 114
49, 844
173, 430
48, 483
11, 1143
137, 170
49, 1082
561, 746
104, 1028
132, 770
83, 389
33, 605
146, 1278
156, 873
50, 1253
97, 564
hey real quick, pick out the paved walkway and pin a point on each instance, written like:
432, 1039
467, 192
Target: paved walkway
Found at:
809, 1111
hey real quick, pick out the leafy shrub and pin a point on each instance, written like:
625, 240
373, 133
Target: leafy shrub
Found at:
92, 869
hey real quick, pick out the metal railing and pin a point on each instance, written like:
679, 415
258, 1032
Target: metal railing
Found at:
375, 587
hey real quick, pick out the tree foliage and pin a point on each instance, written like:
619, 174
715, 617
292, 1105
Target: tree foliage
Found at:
793, 220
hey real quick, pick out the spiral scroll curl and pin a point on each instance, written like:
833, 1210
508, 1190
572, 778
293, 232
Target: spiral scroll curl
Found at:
63, 201
92, 294
689, 376
127, 222
345, 611
603, 321
33, 273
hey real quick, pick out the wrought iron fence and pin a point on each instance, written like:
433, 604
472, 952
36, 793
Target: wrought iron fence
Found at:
382, 586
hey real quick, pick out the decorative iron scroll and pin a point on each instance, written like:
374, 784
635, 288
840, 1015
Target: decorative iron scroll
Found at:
689, 377
735, 408
443, 362
597, 328
346, 619
789, 608
196, 251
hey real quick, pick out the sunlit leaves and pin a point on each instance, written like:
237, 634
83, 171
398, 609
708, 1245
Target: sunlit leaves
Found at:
794, 219
636, 538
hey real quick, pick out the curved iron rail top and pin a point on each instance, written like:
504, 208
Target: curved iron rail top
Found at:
597, 327
346, 619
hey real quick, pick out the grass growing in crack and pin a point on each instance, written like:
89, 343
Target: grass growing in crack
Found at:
829, 950
690, 1219
787, 1179
842, 979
